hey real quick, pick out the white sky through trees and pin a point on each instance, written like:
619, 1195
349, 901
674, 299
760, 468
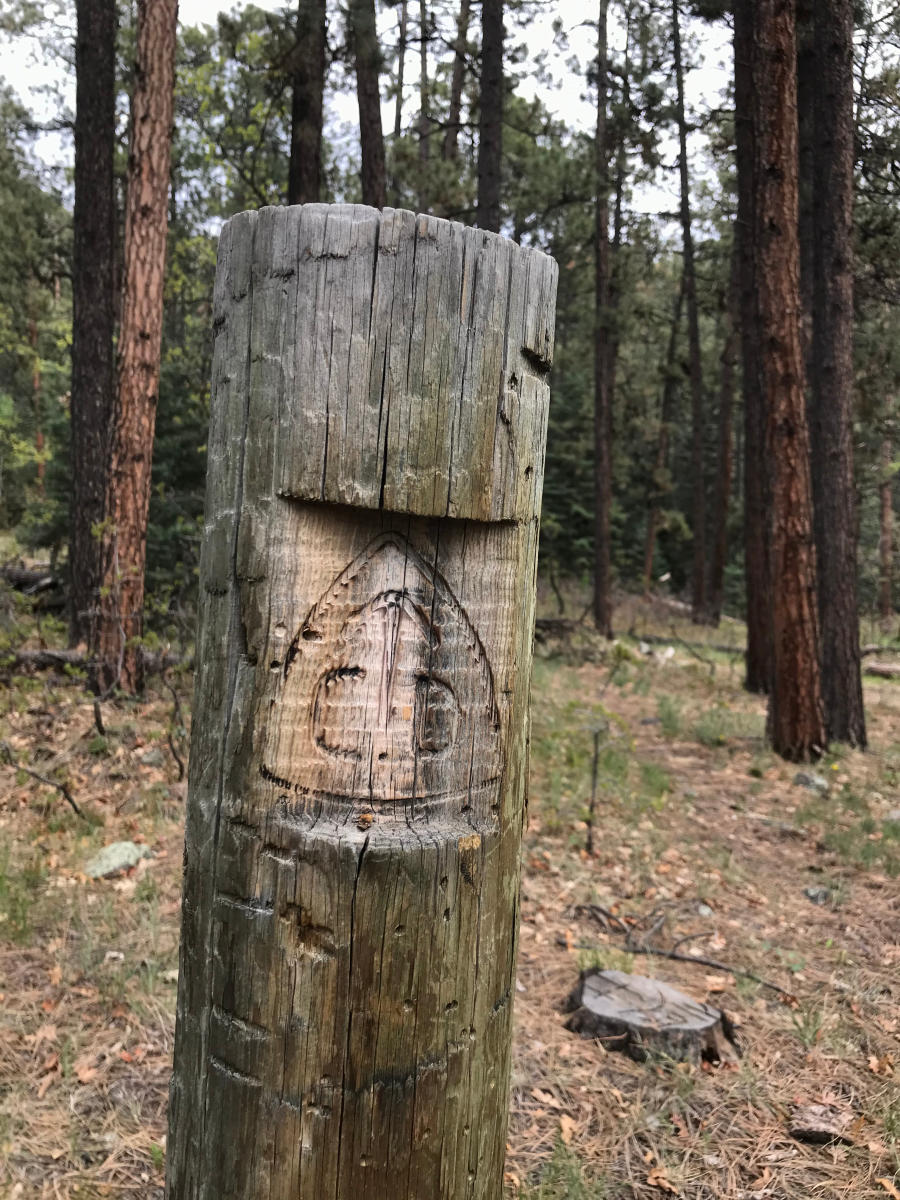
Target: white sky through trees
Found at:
46, 84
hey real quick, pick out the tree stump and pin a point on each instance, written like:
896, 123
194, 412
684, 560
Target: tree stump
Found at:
643, 1016
358, 758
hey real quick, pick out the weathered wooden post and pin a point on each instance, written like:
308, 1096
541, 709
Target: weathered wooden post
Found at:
379, 411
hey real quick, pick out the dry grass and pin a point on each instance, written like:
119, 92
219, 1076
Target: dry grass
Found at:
692, 812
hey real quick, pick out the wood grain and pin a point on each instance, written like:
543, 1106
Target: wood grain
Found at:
358, 759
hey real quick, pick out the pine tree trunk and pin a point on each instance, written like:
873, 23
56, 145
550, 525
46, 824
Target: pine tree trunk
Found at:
726, 450
698, 507
424, 118
490, 134
308, 84
831, 426
358, 755
807, 98
367, 53
886, 541
116, 632
403, 26
661, 484
757, 476
796, 715
450, 151
93, 299
602, 600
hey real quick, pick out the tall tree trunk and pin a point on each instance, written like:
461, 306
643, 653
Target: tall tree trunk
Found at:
757, 477
450, 150
119, 624
886, 541
831, 426
308, 83
602, 601
36, 384
93, 298
424, 117
402, 39
667, 416
490, 135
726, 450
367, 53
796, 714
698, 506
807, 98
402, 36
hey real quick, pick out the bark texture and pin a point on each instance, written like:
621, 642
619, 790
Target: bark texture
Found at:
796, 715
603, 430
698, 483
119, 613
886, 540
757, 480
490, 129
93, 298
307, 91
359, 753
831, 391
367, 53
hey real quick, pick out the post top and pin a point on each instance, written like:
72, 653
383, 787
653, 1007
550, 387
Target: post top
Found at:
412, 356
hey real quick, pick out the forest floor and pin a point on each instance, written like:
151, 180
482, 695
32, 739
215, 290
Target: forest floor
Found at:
700, 834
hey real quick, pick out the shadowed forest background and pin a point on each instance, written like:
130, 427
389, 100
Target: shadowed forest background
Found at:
717, 546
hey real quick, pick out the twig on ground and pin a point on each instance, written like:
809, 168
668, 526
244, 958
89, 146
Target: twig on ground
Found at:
707, 662
713, 963
62, 788
176, 722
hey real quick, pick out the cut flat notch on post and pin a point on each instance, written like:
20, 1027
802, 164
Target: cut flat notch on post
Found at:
379, 412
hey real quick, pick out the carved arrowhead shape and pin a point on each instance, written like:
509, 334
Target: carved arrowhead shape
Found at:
386, 696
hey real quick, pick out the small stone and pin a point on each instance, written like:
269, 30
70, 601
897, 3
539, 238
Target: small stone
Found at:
893, 815
704, 910
154, 758
115, 858
812, 782
818, 895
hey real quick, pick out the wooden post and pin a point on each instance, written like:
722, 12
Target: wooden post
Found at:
379, 412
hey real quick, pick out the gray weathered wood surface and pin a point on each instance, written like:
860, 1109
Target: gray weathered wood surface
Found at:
358, 758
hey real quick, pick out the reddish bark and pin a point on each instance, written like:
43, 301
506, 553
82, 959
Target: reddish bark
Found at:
118, 625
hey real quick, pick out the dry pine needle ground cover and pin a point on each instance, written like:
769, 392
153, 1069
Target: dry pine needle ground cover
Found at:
702, 840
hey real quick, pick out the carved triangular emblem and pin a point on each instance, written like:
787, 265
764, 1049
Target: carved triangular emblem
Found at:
386, 696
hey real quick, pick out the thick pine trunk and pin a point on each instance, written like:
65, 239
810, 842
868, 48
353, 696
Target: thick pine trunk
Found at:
118, 626
757, 476
886, 540
450, 150
308, 87
358, 751
725, 470
490, 130
93, 299
831, 425
796, 715
698, 483
602, 599
367, 53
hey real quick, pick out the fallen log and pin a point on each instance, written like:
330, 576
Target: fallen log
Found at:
882, 670
48, 660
